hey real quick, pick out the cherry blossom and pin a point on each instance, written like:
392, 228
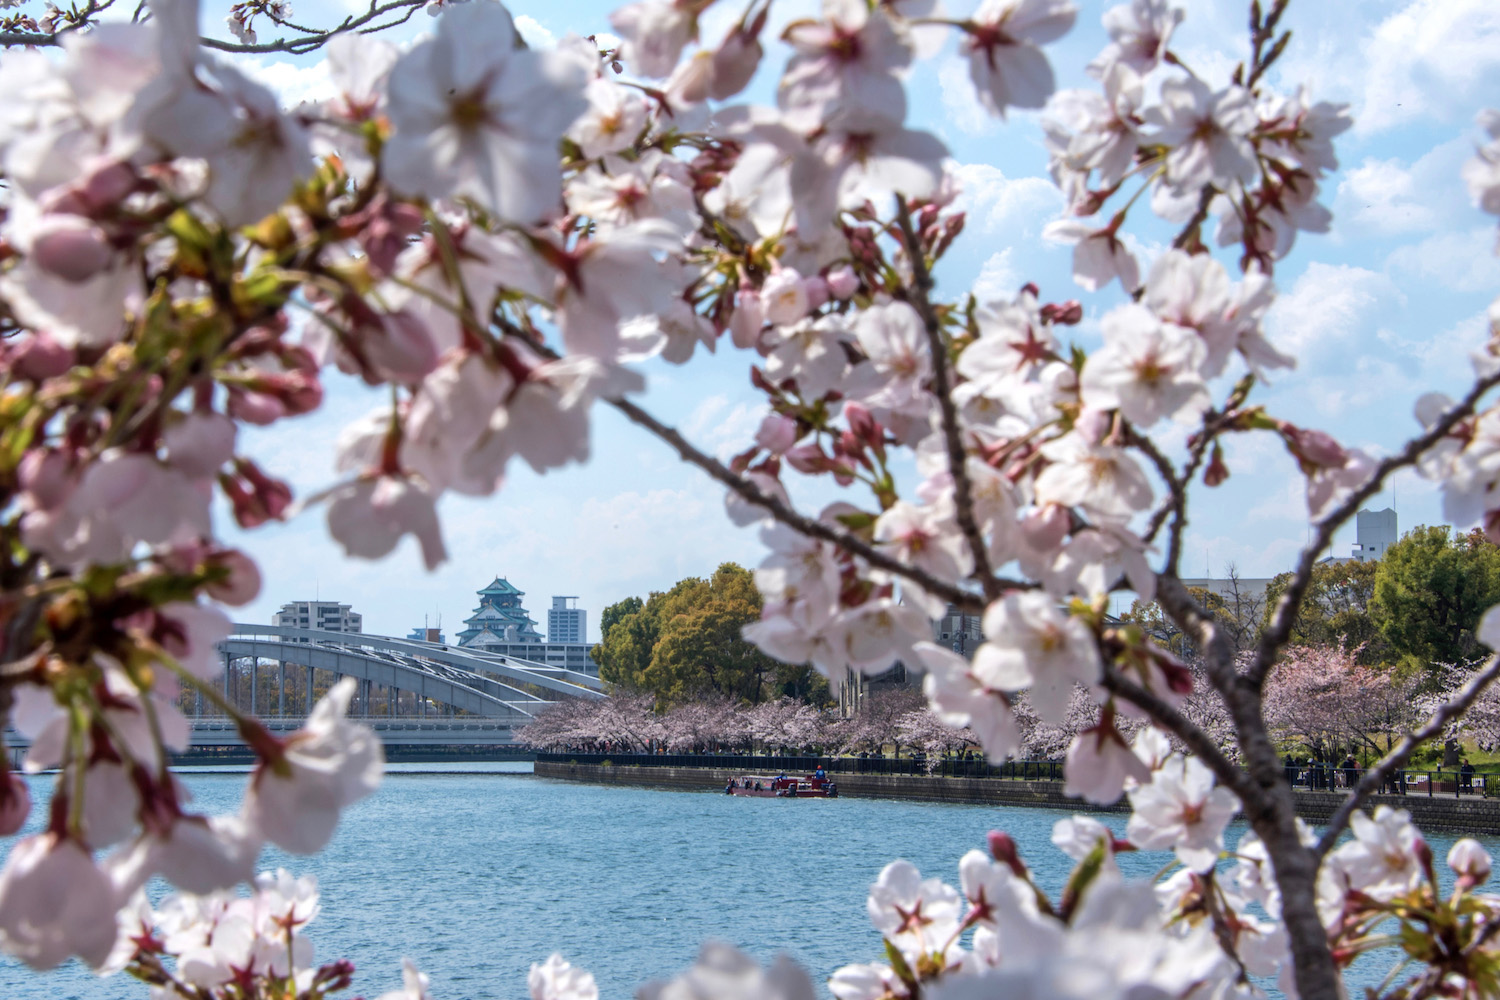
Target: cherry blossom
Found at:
1208, 133
1181, 808
1147, 369
475, 116
1003, 41
555, 979
326, 766
1031, 644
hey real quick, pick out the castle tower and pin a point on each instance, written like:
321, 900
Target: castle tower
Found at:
500, 619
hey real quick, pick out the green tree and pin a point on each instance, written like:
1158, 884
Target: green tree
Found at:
700, 652
1336, 610
1431, 589
684, 644
616, 611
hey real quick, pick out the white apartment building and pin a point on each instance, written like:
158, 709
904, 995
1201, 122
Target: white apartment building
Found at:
330, 616
1375, 531
566, 623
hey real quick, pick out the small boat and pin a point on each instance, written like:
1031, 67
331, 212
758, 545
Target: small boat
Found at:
782, 787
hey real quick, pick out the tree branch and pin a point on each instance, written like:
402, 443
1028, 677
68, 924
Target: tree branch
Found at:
1230, 775
1377, 775
1280, 630
845, 540
942, 385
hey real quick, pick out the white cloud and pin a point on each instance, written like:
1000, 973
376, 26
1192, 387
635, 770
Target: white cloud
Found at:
963, 109
1389, 196
1460, 261
1430, 60
534, 33
1011, 206
1327, 306
724, 430
998, 278
294, 84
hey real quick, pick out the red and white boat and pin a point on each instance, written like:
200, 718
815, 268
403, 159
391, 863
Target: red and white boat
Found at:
814, 786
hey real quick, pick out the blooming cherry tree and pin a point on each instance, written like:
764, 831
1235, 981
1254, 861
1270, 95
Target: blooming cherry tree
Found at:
500, 237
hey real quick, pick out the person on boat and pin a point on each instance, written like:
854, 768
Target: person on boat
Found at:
820, 774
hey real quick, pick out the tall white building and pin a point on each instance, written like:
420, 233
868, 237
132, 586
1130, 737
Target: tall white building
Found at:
566, 623
1374, 531
330, 616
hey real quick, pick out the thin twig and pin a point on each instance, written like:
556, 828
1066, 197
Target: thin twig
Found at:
967, 600
942, 384
1280, 629
1230, 775
1377, 775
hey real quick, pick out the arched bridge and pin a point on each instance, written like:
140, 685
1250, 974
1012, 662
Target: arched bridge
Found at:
496, 694
484, 684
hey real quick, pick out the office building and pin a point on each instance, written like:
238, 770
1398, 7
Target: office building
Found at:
566, 623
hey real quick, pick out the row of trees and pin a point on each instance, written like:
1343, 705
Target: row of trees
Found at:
1323, 701
895, 719
683, 646
1419, 605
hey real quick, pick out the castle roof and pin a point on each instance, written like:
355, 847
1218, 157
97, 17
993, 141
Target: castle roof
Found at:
501, 585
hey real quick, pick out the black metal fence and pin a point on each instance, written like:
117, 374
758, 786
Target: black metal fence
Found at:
1026, 770
1303, 777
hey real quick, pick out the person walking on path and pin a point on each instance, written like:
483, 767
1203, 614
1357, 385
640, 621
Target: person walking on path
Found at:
1351, 770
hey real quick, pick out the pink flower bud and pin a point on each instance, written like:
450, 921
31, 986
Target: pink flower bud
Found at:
70, 247
842, 283
1470, 862
808, 458
749, 317
241, 582
45, 474
817, 291
257, 408
1045, 529
1003, 849
777, 434
15, 803
734, 64
108, 184
1317, 448
39, 357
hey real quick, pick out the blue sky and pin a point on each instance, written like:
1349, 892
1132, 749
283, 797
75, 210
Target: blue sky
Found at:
1383, 308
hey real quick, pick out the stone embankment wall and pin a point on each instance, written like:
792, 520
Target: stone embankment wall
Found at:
1469, 814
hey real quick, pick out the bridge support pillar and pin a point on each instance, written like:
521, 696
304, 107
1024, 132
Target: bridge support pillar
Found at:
280, 688
229, 678
364, 697
307, 698
254, 685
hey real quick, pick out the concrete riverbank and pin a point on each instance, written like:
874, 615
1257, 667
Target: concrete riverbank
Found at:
1470, 814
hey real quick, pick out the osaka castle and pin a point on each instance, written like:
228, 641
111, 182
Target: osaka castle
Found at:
500, 619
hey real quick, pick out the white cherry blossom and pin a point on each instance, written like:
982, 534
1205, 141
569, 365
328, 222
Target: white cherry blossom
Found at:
555, 979
1208, 133
1181, 808
1003, 43
1031, 644
1147, 369
473, 115
327, 765
919, 916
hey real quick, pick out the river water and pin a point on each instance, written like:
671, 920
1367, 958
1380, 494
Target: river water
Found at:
477, 872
